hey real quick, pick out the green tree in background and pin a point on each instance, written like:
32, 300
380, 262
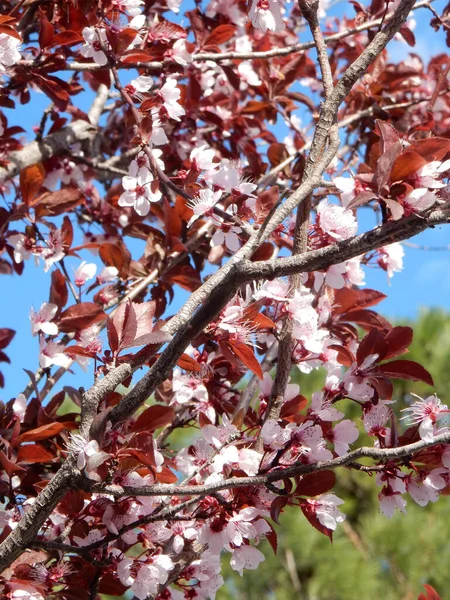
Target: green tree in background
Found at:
371, 557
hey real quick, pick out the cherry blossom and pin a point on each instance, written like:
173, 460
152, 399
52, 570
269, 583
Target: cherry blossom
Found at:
391, 258
148, 577
20, 406
90, 457
132, 7
139, 191
246, 557
391, 497
266, 15
52, 353
202, 158
203, 204
426, 412
84, 272
180, 53
22, 247
41, 321
9, 53
325, 507
107, 274
170, 95
96, 40
343, 434
336, 221
227, 233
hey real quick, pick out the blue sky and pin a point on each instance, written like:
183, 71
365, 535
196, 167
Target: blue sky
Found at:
424, 282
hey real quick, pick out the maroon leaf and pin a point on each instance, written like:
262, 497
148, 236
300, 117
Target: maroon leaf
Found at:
40, 433
276, 508
314, 484
80, 316
153, 418
31, 180
247, 356
220, 35
34, 453
406, 369
59, 293
398, 340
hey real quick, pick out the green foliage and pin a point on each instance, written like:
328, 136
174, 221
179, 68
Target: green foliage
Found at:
371, 557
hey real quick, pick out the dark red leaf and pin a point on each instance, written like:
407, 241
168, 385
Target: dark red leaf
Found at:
406, 369
40, 433
406, 164
188, 363
80, 316
34, 453
220, 35
31, 180
276, 508
153, 418
65, 38
247, 356
59, 293
372, 343
398, 340
314, 484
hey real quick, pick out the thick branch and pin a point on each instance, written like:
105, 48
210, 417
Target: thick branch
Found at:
378, 454
317, 260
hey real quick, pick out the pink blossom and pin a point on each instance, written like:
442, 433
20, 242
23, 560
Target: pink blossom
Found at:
420, 199
139, 191
20, 406
420, 492
426, 413
90, 457
52, 353
391, 258
141, 84
326, 511
427, 176
84, 272
336, 221
375, 419
244, 459
22, 247
202, 158
391, 498
9, 53
95, 39
246, 557
275, 436
323, 409
107, 274
342, 435
229, 179
180, 53
220, 434
148, 577
306, 322
131, 7
183, 532
226, 233
188, 388
357, 379
170, 94
41, 321
203, 204
55, 249
266, 15
347, 187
